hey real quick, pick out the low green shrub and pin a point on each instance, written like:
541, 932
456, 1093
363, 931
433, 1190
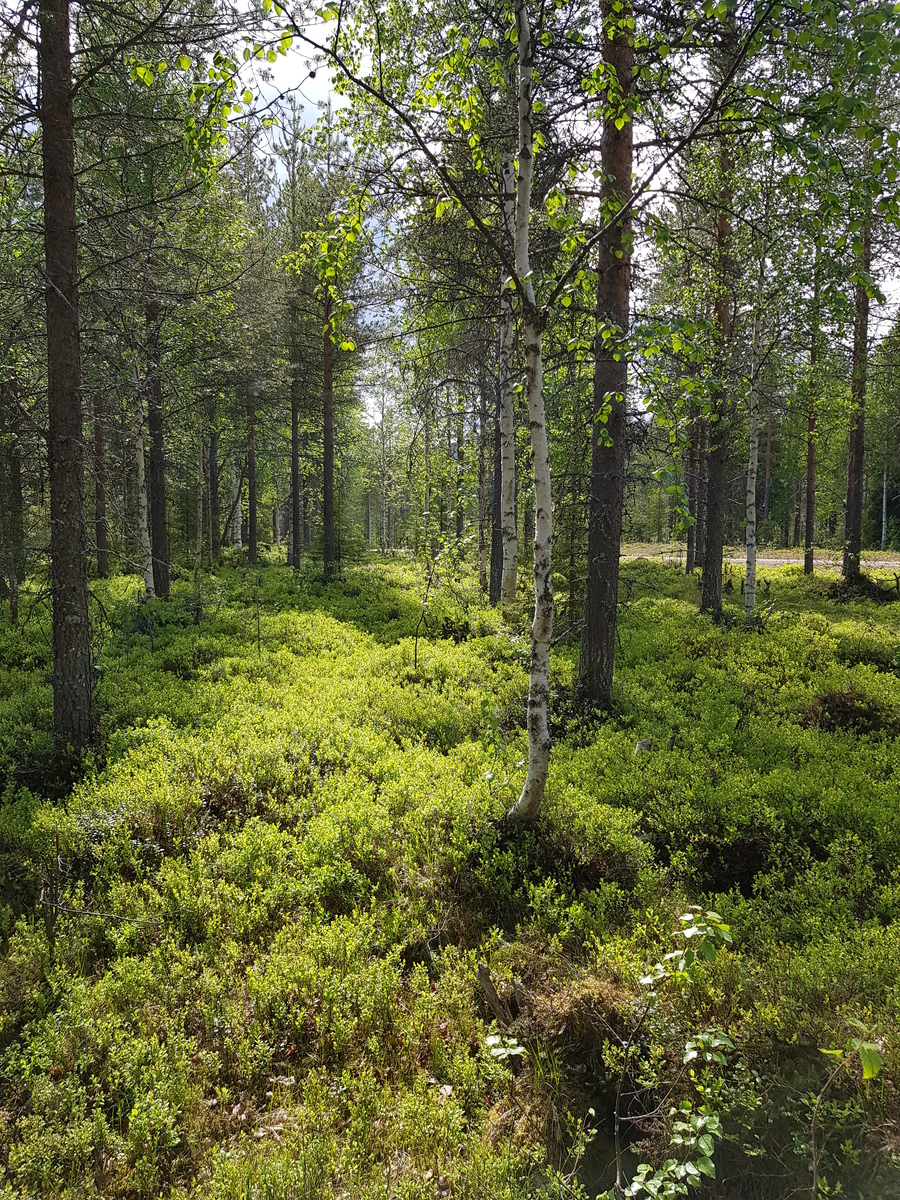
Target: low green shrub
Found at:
277, 880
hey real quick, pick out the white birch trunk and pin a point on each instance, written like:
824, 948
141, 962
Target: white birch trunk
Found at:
142, 504
753, 463
528, 806
508, 218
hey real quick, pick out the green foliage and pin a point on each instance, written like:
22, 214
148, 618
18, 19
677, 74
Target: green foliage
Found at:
276, 886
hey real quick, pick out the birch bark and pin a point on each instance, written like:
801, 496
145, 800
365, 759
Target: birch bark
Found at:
509, 220
529, 803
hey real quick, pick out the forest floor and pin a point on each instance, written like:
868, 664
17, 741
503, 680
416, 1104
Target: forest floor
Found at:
767, 556
241, 954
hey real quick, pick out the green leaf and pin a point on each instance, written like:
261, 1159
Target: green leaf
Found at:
871, 1058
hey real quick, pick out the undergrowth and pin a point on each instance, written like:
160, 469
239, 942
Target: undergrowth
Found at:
241, 954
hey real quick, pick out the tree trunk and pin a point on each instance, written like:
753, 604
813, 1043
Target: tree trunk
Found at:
72, 717
143, 506
702, 453
9, 550
692, 472
198, 541
607, 486
215, 509
237, 514
809, 534
482, 490
252, 514
17, 511
296, 523
753, 460
496, 528
458, 497
507, 391
101, 528
884, 504
327, 446
528, 806
856, 441
720, 429
159, 533
767, 490
210, 562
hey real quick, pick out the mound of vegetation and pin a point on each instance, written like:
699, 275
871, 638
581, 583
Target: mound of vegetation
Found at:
278, 942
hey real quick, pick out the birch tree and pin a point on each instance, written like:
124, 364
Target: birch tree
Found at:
506, 386
529, 803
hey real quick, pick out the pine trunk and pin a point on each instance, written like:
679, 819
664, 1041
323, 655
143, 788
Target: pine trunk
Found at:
215, 515
720, 428
607, 484
753, 460
143, 507
884, 504
809, 536
10, 578
856, 441
458, 497
482, 491
692, 471
702, 453
101, 528
72, 717
237, 515
296, 522
252, 509
159, 533
198, 540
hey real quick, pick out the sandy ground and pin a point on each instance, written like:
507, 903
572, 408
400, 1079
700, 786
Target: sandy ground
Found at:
873, 560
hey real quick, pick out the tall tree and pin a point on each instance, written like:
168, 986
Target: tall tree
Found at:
72, 713
606, 497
